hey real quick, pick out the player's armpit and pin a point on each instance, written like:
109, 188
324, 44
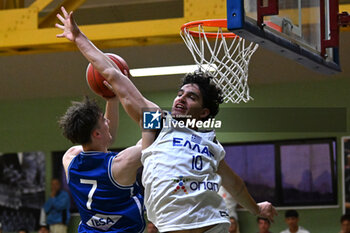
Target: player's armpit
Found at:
69, 156
125, 165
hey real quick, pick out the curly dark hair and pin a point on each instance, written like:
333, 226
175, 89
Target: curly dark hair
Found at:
345, 217
212, 95
79, 121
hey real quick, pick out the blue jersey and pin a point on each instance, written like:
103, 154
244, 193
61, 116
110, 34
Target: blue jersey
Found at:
103, 204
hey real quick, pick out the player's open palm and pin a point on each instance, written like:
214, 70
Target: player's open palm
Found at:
69, 27
267, 210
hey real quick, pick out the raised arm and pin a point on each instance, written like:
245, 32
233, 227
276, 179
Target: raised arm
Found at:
130, 97
112, 114
236, 187
125, 165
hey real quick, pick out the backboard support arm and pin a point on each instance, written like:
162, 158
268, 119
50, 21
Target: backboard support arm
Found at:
270, 9
333, 39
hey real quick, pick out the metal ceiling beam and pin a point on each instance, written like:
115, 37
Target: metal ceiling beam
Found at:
21, 33
50, 19
11, 4
39, 5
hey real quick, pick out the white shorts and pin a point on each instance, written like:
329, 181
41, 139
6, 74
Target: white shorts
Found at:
58, 228
219, 228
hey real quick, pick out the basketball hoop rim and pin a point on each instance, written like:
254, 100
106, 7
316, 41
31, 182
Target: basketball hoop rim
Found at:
219, 23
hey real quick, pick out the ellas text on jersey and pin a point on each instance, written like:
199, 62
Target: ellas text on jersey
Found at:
193, 146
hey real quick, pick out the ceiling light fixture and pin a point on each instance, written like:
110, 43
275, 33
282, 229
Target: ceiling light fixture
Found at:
167, 70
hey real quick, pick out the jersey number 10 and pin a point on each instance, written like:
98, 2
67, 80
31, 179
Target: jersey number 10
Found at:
197, 162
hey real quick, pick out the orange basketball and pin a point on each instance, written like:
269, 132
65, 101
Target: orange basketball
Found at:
95, 79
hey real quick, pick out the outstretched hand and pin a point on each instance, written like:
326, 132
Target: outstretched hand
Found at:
266, 210
69, 27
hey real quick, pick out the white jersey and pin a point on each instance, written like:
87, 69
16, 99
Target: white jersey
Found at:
231, 203
180, 180
300, 230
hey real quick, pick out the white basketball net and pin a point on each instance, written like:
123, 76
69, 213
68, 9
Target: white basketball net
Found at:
226, 61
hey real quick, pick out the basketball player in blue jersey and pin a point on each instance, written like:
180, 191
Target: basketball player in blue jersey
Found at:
183, 167
102, 183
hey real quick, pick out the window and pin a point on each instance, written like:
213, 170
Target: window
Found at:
287, 173
255, 164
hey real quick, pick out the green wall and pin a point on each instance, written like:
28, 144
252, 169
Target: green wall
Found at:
29, 125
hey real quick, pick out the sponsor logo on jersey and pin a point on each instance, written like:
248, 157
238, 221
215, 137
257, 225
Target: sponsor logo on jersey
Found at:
204, 185
223, 213
151, 120
103, 222
180, 184
194, 185
193, 146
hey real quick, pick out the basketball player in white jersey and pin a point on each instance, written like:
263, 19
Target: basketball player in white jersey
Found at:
183, 168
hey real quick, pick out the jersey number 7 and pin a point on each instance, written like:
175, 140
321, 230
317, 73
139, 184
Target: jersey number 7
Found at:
92, 190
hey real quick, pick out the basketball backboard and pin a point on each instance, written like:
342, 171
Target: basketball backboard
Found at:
305, 31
